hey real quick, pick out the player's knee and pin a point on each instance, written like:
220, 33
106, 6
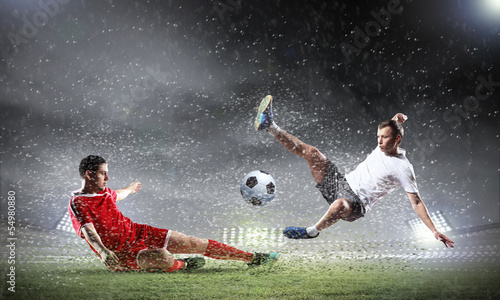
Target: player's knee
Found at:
155, 259
314, 156
192, 242
199, 245
181, 243
341, 207
312, 152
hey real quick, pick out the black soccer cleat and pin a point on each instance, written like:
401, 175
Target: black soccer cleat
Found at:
260, 259
193, 263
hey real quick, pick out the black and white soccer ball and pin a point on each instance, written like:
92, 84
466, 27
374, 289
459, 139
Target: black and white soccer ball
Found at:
258, 188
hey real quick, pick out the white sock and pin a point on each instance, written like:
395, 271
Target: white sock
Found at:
273, 129
312, 231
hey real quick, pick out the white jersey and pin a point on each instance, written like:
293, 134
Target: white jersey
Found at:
380, 174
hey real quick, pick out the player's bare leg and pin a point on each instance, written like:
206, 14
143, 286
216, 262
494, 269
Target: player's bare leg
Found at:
157, 259
181, 243
340, 208
318, 163
162, 260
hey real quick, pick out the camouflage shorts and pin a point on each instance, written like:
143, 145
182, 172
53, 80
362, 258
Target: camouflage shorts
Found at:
334, 186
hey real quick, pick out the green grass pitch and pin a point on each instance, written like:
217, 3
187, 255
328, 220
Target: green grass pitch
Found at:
53, 270
290, 279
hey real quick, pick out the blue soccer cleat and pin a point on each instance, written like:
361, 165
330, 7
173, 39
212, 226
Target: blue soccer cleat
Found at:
264, 114
297, 233
261, 259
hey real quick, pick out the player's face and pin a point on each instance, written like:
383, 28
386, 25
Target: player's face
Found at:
387, 140
99, 178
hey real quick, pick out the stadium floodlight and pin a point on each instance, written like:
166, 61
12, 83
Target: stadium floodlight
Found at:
488, 10
256, 237
492, 5
420, 229
65, 223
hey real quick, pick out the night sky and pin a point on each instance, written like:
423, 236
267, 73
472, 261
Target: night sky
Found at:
166, 92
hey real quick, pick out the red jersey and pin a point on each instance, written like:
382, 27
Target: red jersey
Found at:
115, 230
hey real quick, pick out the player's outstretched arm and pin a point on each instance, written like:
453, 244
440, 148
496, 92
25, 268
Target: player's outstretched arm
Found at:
134, 187
107, 256
420, 209
401, 118
443, 238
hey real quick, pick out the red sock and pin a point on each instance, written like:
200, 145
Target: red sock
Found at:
219, 250
178, 264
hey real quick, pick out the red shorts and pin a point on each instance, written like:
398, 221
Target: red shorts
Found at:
147, 237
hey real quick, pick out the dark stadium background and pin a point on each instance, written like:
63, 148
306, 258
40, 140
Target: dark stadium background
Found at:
166, 91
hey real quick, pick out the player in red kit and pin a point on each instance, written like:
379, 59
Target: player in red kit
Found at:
124, 245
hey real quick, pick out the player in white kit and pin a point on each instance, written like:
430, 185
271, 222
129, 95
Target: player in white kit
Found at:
351, 196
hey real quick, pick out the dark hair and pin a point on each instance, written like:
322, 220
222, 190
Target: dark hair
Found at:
91, 163
396, 128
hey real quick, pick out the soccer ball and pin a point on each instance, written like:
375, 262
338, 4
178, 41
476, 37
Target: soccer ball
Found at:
258, 188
